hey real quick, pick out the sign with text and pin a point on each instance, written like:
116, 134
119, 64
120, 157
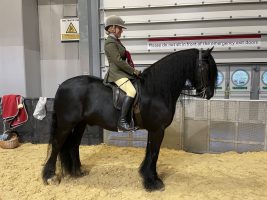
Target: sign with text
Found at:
205, 42
263, 83
69, 28
240, 79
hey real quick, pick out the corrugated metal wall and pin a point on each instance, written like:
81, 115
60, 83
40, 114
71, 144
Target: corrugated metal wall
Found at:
147, 19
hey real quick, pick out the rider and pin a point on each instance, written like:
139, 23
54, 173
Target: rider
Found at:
120, 72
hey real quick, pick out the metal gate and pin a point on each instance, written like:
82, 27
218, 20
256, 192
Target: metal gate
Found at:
213, 126
225, 125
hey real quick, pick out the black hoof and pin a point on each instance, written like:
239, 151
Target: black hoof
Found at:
50, 178
55, 180
81, 173
48, 175
156, 185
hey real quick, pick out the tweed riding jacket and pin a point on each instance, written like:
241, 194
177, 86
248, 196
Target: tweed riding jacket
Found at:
118, 67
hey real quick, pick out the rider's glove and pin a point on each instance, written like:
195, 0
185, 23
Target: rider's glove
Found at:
137, 72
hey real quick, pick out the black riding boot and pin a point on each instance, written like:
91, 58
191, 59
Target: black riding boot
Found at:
123, 125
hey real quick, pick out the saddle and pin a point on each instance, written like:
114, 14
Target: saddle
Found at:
118, 96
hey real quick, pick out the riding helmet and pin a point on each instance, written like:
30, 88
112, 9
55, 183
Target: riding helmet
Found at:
114, 20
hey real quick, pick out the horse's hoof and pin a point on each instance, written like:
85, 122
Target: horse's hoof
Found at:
156, 185
53, 181
82, 173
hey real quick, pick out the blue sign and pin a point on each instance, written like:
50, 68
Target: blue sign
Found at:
240, 78
264, 78
220, 78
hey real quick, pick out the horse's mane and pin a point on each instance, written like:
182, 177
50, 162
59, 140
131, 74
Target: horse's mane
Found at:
164, 75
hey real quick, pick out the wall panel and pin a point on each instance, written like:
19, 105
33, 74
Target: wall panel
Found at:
59, 61
152, 19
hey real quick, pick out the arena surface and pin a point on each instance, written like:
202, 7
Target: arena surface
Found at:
113, 174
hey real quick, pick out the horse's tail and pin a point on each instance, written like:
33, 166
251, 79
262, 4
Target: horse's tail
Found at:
53, 127
48, 171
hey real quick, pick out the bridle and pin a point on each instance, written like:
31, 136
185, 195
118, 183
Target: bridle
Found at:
201, 67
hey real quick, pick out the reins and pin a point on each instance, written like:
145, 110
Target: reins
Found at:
201, 94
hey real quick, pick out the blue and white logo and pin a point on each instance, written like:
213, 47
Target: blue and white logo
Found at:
240, 77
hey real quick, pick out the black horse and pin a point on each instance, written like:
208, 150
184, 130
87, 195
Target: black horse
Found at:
85, 100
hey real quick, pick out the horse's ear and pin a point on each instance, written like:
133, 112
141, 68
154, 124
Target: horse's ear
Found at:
209, 50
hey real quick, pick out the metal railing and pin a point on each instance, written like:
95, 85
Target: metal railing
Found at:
213, 126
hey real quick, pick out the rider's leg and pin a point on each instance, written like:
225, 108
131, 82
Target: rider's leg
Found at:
126, 85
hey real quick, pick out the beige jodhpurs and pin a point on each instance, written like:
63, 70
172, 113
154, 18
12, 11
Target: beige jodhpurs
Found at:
126, 85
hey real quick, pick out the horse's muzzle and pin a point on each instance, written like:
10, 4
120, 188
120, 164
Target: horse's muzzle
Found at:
209, 93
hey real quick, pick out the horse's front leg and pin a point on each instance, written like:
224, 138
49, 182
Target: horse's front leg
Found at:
148, 170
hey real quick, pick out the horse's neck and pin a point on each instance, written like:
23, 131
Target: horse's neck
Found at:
170, 85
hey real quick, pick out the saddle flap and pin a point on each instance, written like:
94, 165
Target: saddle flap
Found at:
118, 96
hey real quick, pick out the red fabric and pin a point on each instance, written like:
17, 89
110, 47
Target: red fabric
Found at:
10, 111
129, 58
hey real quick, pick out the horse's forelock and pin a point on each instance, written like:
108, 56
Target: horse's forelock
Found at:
206, 71
213, 71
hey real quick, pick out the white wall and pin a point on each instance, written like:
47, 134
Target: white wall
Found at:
12, 71
19, 49
59, 61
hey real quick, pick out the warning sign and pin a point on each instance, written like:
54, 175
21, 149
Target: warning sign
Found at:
69, 29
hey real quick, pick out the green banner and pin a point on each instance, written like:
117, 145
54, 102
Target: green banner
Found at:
240, 88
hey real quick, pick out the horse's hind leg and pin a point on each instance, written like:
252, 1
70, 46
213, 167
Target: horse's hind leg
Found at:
69, 154
57, 140
148, 170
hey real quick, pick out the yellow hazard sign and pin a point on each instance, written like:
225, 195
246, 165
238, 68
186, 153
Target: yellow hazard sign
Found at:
69, 29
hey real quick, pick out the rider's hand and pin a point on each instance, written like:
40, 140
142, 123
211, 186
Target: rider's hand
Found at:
137, 72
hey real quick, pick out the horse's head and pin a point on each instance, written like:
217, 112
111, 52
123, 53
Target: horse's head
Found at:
206, 74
